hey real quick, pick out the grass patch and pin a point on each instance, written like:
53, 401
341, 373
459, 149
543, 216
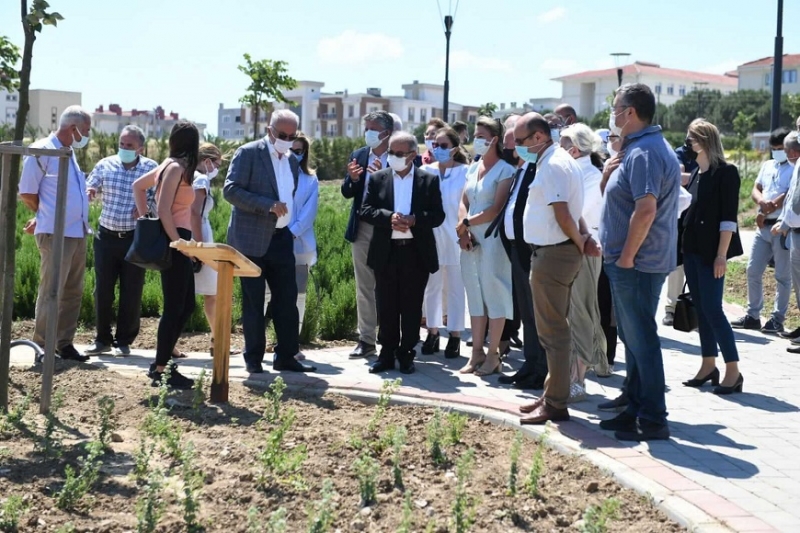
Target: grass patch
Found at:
736, 292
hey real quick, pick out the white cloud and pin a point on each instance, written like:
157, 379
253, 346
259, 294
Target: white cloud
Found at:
559, 65
464, 59
722, 67
353, 48
552, 15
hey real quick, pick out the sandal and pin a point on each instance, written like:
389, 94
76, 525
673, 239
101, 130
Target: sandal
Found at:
179, 355
482, 371
471, 366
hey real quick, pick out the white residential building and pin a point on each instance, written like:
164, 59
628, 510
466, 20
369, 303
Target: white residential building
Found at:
9, 104
154, 122
589, 92
45, 109
757, 75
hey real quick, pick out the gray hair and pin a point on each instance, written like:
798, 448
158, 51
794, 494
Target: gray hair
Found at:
583, 138
511, 122
792, 141
134, 130
398, 122
404, 137
381, 117
284, 114
74, 115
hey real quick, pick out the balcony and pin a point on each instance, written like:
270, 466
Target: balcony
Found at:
327, 116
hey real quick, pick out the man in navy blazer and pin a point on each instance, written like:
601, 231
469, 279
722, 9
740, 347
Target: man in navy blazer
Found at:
364, 162
403, 204
260, 187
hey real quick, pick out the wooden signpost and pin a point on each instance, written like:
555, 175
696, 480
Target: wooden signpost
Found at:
228, 263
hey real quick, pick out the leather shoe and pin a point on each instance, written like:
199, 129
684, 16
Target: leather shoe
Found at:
362, 349
508, 379
407, 367
381, 365
793, 349
545, 413
531, 382
531, 407
69, 352
644, 432
254, 368
292, 365
622, 422
516, 342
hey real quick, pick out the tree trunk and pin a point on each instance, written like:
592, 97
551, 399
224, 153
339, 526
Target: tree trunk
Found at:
255, 120
10, 214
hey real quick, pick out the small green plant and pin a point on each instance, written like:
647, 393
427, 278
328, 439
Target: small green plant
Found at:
141, 467
150, 506
537, 468
66, 528
398, 441
253, 521
407, 521
274, 397
77, 485
277, 463
513, 472
107, 422
320, 516
367, 469
355, 441
10, 512
464, 505
50, 445
435, 432
456, 422
431, 527
387, 389
199, 391
16, 415
277, 521
596, 517
192, 483
159, 425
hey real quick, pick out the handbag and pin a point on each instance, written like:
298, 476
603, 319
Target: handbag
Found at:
150, 247
685, 318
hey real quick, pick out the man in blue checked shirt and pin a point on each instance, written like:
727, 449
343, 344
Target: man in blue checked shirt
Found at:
114, 176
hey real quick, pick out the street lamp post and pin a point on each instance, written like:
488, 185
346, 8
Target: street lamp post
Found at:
618, 57
777, 72
448, 24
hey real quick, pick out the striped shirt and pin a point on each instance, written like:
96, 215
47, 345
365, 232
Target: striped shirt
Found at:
110, 176
650, 166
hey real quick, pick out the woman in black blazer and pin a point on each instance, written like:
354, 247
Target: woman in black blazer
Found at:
710, 238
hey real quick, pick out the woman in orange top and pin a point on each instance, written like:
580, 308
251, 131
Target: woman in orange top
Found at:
174, 198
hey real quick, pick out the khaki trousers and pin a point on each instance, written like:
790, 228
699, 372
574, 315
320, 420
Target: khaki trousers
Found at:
366, 307
73, 269
553, 272
588, 339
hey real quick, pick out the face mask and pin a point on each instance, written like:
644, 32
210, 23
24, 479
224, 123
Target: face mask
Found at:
529, 154
481, 146
282, 146
429, 144
611, 152
555, 134
372, 138
442, 155
612, 124
211, 174
689, 152
398, 164
127, 156
779, 156
509, 157
80, 144
299, 157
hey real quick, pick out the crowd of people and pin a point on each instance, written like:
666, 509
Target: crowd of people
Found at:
547, 226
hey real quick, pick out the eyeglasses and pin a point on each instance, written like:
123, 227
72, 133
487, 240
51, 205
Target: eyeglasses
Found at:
612, 138
400, 154
297, 152
620, 107
520, 142
283, 136
439, 145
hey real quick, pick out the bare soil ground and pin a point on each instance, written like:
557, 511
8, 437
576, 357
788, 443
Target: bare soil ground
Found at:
229, 440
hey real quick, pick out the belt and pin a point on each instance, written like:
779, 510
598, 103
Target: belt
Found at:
795, 230
117, 234
278, 231
401, 242
770, 221
535, 247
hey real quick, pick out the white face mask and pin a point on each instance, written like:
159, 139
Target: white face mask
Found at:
398, 164
481, 146
211, 174
779, 156
555, 134
429, 144
80, 144
283, 146
612, 124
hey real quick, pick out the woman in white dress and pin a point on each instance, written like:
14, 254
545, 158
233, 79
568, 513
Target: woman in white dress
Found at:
205, 279
485, 267
451, 168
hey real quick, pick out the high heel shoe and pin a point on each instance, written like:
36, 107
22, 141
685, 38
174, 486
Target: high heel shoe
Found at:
473, 364
737, 387
431, 344
504, 349
453, 348
482, 371
713, 376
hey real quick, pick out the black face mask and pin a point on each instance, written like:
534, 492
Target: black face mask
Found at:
509, 157
687, 150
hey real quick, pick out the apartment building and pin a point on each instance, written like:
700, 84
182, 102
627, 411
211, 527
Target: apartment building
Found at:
45, 110
154, 122
757, 75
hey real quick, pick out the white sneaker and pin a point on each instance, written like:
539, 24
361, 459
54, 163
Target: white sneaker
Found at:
576, 393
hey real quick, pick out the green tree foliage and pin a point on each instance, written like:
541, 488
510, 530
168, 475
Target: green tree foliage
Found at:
9, 56
268, 79
487, 109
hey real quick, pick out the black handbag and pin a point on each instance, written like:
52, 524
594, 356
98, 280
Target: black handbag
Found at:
150, 247
685, 318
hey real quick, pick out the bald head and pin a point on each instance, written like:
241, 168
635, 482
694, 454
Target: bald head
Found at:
567, 113
530, 123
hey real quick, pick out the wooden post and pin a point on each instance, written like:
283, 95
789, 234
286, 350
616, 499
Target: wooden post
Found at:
54, 292
7, 303
222, 332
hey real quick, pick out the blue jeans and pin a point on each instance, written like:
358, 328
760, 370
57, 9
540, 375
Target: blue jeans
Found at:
636, 296
712, 324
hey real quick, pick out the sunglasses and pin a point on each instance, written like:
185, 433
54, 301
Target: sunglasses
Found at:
400, 154
297, 152
440, 145
283, 136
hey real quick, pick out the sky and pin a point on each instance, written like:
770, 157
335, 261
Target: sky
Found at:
183, 54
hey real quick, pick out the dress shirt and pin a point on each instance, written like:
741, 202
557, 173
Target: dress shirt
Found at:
592, 197
558, 179
508, 220
115, 181
403, 189
40, 176
371, 159
283, 175
790, 216
774, 179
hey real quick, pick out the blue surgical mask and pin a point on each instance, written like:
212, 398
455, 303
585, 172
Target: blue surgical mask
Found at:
555, 134
779, 156
80, 144
526, 155
127, 156
300, 157
442, 155
372, 138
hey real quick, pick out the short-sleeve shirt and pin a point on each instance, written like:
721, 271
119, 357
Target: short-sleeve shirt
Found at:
202, 183
116, 182
775, 179
558, 179
40, 176
650, 166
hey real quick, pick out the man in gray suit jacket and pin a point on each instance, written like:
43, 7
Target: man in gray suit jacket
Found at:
260, 186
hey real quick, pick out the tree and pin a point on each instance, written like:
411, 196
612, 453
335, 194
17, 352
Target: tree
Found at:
9, 56
487, 109
33, 20
267, 80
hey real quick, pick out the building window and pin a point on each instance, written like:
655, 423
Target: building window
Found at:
351, 111
11, 98
226, 133
411, 114
237, 119
251, 130
658, 88
670, 89
423, 115
682, 90
226, 118
240, 132
471, 119
767, 79
53, 117
790, 76
11, 114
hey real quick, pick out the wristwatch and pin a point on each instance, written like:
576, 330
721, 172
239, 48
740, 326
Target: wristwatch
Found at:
465, 221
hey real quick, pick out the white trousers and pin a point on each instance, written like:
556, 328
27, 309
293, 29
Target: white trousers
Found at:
455, 295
